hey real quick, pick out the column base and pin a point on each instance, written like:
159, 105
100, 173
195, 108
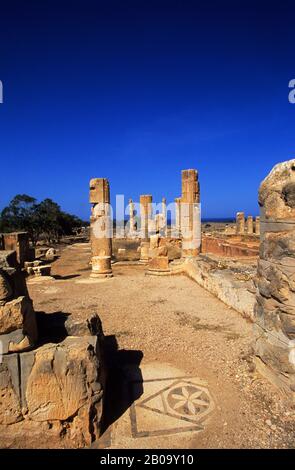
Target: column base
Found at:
101, 275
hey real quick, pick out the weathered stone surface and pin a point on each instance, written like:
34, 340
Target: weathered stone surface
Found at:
8, 259
100, 228
18, 242
16, 309
145, 215
10, 405
132, 223
275, 308
257, 225
190, 213
9, 339
15, 314
62, 379
177, 217
250, 225
232, 247
144, 252
5, 287
50, 254
240, 223
236, 293
57, 326
56, 389
276, 193
159, 263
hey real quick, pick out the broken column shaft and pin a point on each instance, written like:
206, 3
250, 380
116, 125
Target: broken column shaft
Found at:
178, 216
240, 223
250, 225
100, 228
190, 214
164, 217
145, 215
132, 225
257, 225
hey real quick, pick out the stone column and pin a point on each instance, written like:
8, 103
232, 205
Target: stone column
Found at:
164, 217
132, 226
100, 228
240, 223
190, 214
257, 225
178, 216
145, 215
275, 308
250, 225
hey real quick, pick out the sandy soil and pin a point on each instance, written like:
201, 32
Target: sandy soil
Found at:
173, 321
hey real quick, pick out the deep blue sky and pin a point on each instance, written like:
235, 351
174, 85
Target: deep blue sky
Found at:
135, 91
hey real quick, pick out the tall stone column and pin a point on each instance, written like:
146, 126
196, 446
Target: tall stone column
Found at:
132, 226
275, 308
164, 216
249, 225
240, 223
178, 216
100, 228
145, 215
190, 214
257, 225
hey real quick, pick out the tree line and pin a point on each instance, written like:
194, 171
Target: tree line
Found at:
42, 220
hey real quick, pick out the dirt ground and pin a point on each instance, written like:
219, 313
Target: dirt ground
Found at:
164, 328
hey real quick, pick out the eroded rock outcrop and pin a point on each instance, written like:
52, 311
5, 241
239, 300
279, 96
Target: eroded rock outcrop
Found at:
275, 309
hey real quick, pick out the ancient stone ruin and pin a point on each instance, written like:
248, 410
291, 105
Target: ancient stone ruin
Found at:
100, 228
190, 214
240, 218
275, 309
18, 328
51, 371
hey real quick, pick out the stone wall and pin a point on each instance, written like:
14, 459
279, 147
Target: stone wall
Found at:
18, 242
232, 247
275, 308
232, 285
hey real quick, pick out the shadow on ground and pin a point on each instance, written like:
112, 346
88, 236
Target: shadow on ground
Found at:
64, 278
120, 364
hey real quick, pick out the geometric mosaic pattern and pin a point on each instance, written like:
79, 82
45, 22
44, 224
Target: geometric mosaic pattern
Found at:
170, 406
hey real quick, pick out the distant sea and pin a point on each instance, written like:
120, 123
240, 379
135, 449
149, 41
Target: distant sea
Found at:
226, 220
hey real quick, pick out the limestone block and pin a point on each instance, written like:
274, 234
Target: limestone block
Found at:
5, 287
57, 326
159, 263
144, 252
10, 405
57, 388
62, 382
10, 339
17, 314
50, 254
277, 192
